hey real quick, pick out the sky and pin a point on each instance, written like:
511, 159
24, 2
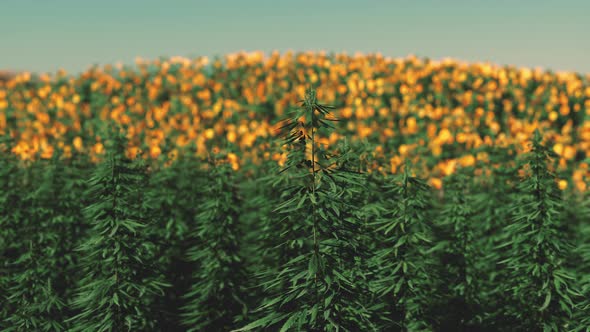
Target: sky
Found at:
46, 35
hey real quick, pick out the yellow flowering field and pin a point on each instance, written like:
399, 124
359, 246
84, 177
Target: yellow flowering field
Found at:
443, 113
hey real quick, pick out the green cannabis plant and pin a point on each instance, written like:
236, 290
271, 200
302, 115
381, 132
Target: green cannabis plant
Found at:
121, 283
38, 287
10, 210
582, 263
543, 291
405, 267
461, 258
173, 199
315, 289
217, 299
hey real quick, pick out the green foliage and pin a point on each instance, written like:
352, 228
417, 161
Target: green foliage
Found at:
38, 209
406, 269
581, 262
490, 196
325, 241
217, 300
462, 261
39, 284
120, 283
173, 199
11, 217
318, 288
542, 289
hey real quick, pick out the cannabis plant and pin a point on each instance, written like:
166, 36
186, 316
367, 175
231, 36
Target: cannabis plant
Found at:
120, 283
581, 319
405, 267
38, 285
173, 199
317, 287
217, 299
490, 197
542, 289
11, 217
461, 257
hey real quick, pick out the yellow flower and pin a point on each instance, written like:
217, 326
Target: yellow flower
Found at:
98, 148
436, 150
403, 149
467, 160
562, 184
155, 151
558, 148
78, 143
46, 152
209, 133
412, 127
435, 182
569, 152
232, 157
231, 137
445, 136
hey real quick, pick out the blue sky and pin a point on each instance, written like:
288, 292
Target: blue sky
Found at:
44, 35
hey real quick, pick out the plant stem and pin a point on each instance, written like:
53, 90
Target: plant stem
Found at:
316, 245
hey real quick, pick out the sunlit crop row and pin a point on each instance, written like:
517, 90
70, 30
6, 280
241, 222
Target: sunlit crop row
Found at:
442, 112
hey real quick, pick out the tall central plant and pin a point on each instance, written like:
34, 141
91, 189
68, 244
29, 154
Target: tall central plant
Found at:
538, 249
315, 290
